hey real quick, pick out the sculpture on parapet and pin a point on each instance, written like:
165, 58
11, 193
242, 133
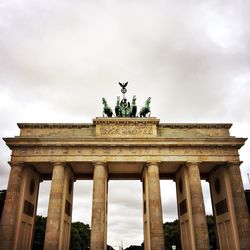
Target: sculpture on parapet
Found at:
118, 111
133, 108
123, 90
106, 109
124, 108
146, 109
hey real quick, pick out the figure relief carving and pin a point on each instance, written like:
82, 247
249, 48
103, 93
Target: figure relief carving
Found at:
133, 150
52, 150
119, 150
37, 150
93, 150
138, 129
24, 150
107, 150
65, 150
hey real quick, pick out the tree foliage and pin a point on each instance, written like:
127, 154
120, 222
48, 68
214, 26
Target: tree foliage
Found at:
80, 236
132, 247
172, 234
2, 200
39, 235
211, 232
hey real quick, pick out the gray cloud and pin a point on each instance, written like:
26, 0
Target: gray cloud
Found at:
58, 58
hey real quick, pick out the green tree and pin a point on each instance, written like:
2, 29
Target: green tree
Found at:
2, 200
172, 234
39, 235
80, 236
132, 247
211, 231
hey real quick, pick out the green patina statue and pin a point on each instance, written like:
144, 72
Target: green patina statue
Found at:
118, 111
106, 109
146, 109
133, 109
124, 108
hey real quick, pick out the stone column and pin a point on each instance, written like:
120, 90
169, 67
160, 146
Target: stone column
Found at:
223, 208
20, 207
197, 204
10, 211
153, 221
240, 205
98, 239
60, 208
185, 209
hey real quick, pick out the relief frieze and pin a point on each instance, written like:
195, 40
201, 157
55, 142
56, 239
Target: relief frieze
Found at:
136, 129
139, 129
124, 150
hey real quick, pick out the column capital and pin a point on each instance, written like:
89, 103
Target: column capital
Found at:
102, 163
234, 163
191, 163
16, 164
62, 163
149, 163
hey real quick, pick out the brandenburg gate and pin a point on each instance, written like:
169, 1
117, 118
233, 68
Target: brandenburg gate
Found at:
122, 148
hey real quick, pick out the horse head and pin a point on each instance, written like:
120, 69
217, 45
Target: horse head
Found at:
104, 101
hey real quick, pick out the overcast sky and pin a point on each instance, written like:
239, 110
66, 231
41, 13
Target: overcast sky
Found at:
59, 58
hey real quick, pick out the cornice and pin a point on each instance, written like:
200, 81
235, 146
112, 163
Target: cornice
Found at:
195, 125
141, 142
54, 125
104, 120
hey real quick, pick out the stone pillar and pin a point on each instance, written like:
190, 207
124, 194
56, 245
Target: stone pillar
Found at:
19, 213
198, 209
240, 205
98, 239
223, 208
194, 233
58, 225
153, 221
10, 211
185, 209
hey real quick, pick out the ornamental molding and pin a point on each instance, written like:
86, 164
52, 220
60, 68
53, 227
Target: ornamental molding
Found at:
196, 125
125, 122
117, 141
123, 150
54, 125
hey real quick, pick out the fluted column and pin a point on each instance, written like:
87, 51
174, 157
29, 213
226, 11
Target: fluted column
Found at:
198, 209
99, 208
9, 220
153, 221
60, 208
240, 205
